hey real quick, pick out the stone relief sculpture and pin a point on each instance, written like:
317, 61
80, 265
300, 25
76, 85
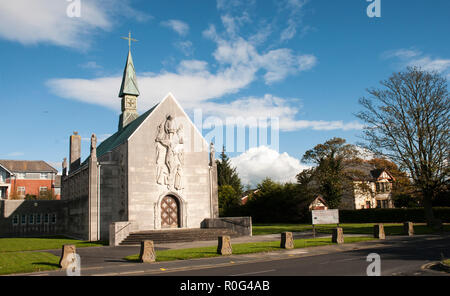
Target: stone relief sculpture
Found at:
169, 154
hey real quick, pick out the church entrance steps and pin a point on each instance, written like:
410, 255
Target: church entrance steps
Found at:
177, 235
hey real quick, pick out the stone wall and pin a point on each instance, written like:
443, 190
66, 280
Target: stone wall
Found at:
113, 189
240, 225
25, 218
118, 231
77, 218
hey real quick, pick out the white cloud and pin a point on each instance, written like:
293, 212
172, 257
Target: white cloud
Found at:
270, 106
91, 65
186, 47
180, 27
259, 163
401, 53
242, 54
239, 63
295, 9
190, 86
194, 84
229, 5
414, 57
429, 64
32, 22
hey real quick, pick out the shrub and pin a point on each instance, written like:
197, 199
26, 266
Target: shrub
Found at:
391, 215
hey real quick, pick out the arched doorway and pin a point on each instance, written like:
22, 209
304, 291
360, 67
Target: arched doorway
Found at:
170, 212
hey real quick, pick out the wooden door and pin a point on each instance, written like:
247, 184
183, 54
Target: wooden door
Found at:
169, 212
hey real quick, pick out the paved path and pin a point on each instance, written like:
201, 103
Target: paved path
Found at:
400, 255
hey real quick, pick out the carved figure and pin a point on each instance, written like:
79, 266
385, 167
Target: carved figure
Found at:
169, 154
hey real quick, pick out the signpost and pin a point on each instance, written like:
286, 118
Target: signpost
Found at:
324, 217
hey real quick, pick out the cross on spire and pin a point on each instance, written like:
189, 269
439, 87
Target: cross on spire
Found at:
129, 40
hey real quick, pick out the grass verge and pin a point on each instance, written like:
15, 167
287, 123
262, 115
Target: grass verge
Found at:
238, 249
23, 262
41, 243
446, 262
363, 228
17, 255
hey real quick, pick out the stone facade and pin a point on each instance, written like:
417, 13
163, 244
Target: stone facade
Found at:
138, 174
155, 172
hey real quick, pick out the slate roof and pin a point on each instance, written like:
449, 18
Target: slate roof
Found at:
120, 136
364, 171
27, 166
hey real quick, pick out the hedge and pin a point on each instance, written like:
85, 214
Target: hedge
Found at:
391, 215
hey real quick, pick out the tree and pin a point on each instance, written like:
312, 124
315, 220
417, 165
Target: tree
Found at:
407, 121
230, 188
402, 193
274, 202
229, 201
226, 174
329, 159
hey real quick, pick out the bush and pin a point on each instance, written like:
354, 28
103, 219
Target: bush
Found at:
273, 203
391, 215
30, 197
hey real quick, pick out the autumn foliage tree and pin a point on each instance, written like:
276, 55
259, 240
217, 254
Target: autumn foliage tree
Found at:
407, 121
328, 174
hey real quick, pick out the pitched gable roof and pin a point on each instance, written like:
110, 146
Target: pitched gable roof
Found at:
120, 136
364, 171
27, 166
128, 131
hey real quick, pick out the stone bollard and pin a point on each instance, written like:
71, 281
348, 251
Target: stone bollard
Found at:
67, 255
224, 245
378, 231
338, 235
287, 241
147, 254
408, 228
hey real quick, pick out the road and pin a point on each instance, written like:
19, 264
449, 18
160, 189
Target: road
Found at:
399, 257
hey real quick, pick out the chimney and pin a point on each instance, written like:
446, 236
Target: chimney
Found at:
75, 151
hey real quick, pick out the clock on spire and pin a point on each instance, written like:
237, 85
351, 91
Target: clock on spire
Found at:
129, 90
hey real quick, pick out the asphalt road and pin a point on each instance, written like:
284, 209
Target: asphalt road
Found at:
399, 257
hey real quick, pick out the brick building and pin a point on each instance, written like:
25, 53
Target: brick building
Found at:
19, 178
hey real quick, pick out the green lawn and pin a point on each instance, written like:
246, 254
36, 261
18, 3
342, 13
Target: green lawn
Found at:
23, 262
446, 262
17, 256
45, 243
248, 248
365, 228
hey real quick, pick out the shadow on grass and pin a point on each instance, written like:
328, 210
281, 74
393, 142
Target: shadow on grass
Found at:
45, 264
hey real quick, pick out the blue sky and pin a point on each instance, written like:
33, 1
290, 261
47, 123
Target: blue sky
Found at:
305, 62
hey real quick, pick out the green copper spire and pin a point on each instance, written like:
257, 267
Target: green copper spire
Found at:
129, 82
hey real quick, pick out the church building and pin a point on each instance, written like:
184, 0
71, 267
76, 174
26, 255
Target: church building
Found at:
156, 172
